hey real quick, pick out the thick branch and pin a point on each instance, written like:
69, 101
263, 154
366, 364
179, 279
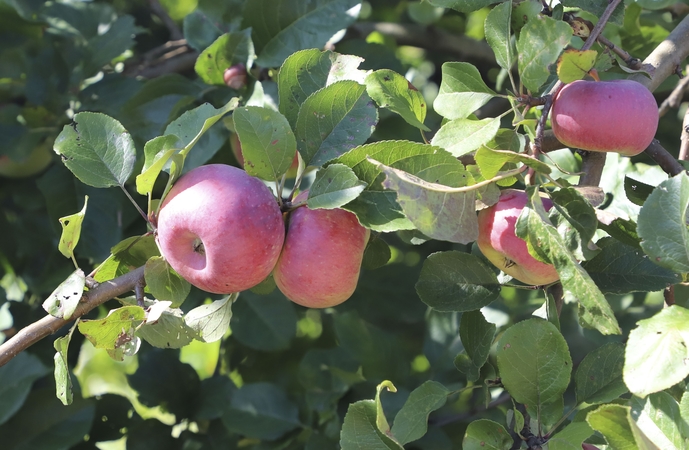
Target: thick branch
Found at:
665, 160
667, 57
48, 325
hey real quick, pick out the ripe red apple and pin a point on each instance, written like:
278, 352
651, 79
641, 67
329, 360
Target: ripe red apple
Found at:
499, 243
321, 259
605, 116
235, 76
220, 229
36, 162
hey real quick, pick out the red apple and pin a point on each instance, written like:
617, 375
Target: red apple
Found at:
605, 116
220, 229
586, 446
321, 259
499, 243
36, 162
235, 76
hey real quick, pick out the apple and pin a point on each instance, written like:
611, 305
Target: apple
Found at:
220, 229
499, 243
321, 259
605, 116
235, 76
586, 446
36, 162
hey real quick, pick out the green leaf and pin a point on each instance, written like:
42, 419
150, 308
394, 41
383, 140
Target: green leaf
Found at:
97, 149
534, 227
575, 64
615, 423
16, 379
666, 241
334, 186
575, 220
540, 42
264, 322
456, 281
63, 379
284, 27
534, 364
484, 434
464, 6
462, 136
192, 125
105, 333
164, 283
65, 298
623, 230
570, 437
157, 152
435, 209
621, 269
499, 36
227, 50
658, 417
597, 8
167, 330
260, 411
392, 91
599, 376
268, 144
377, 253
379, 211
307, 71
477, 336
381, 421
462, 91
637, 191
359, 429
490, 161
211, 321
326, 375
411, 422
334, 120
656, 352
71, 231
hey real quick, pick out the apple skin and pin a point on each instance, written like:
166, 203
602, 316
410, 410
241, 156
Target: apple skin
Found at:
499, 243
220, 229
605, 116
321, 259
39, 158
586, 446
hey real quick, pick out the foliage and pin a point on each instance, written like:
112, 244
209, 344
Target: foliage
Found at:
436, 349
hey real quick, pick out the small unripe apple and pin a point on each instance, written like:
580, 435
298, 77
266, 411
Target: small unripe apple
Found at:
235, 76
499, 243
321, 259
36, 162
220, 229
605, 116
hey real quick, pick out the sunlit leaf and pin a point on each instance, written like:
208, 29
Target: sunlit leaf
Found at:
540, 42
392, 91
462, 91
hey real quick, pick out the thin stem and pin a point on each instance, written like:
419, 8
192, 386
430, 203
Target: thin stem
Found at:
675, 98
136, 205
684, 137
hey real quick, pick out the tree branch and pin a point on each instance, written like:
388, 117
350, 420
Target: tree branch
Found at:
665, 160
48, 325
667, 57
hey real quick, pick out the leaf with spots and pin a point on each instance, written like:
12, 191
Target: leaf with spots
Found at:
71, 231
484, 434
227, 50
97, 149
540, 42
267, 142
392, 91
575, 64
65, 298
111, 332
534, 364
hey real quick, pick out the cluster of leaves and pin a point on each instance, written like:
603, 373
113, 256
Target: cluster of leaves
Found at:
287, 377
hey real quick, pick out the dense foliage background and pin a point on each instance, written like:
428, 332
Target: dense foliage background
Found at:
429, 317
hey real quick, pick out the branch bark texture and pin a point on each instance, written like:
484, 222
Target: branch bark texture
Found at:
48, 325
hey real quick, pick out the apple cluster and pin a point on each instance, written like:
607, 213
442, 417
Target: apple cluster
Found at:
223, 231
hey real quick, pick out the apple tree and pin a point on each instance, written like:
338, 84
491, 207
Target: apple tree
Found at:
484, 204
